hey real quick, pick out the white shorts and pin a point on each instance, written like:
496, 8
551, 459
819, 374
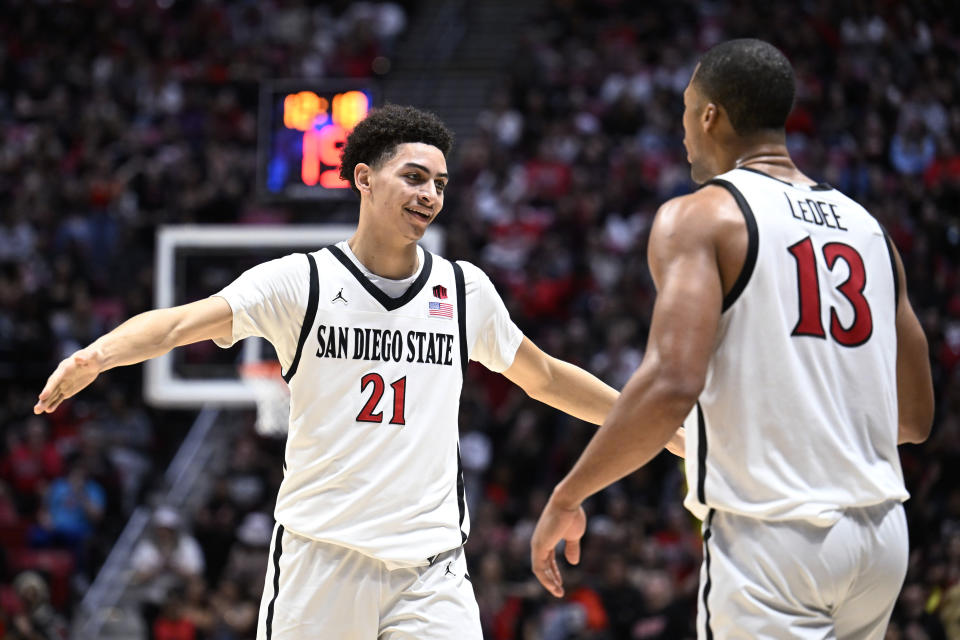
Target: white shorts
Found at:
320, 590
776, 580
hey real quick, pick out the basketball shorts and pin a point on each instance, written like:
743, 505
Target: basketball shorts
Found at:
320, 590
793, 579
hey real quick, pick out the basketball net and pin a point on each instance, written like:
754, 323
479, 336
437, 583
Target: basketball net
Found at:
266, 382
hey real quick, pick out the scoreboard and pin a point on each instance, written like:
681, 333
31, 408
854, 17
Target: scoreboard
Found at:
302, 129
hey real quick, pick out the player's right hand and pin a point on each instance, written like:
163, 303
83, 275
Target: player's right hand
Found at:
555, 524
73, 374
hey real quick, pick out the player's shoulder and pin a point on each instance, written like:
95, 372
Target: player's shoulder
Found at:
703, 212
706, 199
292, 263
471, 272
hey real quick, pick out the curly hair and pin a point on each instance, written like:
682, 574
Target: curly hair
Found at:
375, 139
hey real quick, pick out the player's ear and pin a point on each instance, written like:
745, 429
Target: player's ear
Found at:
710, 116
361, 177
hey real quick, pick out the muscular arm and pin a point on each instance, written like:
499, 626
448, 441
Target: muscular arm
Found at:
683, 330
140, 338
567, 387
660, 394
914, 381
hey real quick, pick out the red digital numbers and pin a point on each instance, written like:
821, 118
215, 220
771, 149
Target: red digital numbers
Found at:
325, 126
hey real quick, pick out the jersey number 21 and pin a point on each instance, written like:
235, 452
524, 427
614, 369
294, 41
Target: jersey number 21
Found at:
399, 396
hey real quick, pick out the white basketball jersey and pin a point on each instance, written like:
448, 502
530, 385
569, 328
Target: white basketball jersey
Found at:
798, 417
372, 460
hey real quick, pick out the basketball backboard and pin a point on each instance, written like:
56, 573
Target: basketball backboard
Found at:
195, 261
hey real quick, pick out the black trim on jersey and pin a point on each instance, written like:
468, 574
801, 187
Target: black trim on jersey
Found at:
896, 274
461, 316
308, 318
820, 186
707, 534
701, 456
464, 361
390, 304
277, 550
753, 242
461, 496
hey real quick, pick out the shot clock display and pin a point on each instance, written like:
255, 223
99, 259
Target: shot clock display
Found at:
302, 129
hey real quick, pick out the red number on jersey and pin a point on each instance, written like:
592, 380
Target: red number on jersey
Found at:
808, 286
861, 328
399, 399
367, 414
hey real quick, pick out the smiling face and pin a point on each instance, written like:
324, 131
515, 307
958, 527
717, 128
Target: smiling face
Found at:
404, 194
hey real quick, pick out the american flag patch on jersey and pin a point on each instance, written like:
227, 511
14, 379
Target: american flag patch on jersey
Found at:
441, 309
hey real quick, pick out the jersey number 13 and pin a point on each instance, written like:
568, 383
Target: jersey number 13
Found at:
808, 284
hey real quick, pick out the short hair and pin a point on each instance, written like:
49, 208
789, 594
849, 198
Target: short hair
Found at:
752, 80
374, 140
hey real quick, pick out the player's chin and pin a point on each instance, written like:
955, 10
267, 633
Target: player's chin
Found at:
416, 222
413, 231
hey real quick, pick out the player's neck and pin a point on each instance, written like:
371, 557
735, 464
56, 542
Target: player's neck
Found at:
770, 157
387, 258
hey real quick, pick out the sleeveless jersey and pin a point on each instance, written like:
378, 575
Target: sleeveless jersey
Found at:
798, 416
372, 459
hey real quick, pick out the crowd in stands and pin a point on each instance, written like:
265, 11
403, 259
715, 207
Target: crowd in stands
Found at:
115, 118
113, 121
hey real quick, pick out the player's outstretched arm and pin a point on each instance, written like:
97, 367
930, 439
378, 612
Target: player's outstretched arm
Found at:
686, 315
140, 338
561, 385
569, 388
915, 402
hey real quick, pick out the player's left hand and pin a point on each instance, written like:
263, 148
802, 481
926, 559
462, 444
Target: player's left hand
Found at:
71, 375
556, 523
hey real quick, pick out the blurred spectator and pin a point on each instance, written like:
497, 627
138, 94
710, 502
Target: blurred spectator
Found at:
235, 611
215, 526
8, 508
197, 608
127, 435
165, 560
913, 618
92, 454
73, 507
115, 118
249, 556
173, 623
912, 149
246, 476
31, 462
37, 620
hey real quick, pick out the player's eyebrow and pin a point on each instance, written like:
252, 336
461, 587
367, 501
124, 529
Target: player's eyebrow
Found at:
424, 169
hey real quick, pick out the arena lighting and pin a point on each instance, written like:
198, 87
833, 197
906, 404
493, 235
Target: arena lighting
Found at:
303, 126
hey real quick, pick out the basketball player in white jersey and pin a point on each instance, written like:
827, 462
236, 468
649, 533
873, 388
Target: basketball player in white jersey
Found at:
783, 335
373, 335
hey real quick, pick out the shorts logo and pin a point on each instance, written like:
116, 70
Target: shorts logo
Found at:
440, 291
